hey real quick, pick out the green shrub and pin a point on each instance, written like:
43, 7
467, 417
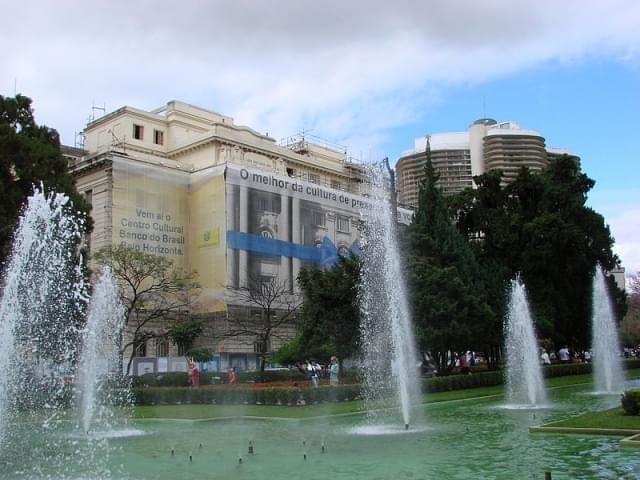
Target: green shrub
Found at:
631, 401
457, 382
248, 395
145, 392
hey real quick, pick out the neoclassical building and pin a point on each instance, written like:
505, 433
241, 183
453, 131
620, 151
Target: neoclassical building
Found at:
221, 199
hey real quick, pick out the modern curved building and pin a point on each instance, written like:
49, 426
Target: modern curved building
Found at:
509, 149
459, 156
451, 158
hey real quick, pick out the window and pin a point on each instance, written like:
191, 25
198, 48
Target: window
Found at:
318, 218
162, 348
266, 204
343, 224
182, 349
259, 347
291, 172
314, 178
336, 184
141, 350
266, 233
344, 251
158, 137
138, 132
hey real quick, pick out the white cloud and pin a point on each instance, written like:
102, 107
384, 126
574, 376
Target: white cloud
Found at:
351, 70
621, 209
624, 228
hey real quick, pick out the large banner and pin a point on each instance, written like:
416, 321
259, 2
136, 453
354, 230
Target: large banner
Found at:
150, 211
175, 214
206, 230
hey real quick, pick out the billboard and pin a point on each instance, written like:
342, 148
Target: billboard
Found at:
176, 214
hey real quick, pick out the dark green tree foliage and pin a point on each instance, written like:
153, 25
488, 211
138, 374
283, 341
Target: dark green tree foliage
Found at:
449, 309
29, 156
540, 226
184, 333
330, 313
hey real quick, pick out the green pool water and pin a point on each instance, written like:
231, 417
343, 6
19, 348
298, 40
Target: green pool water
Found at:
467, 439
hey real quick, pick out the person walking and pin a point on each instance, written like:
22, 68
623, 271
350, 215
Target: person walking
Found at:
544, 358
464, 364
193, 373
334, 369
564, 355
232, 375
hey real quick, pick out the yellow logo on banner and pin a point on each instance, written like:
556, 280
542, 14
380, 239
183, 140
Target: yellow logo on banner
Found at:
209, 238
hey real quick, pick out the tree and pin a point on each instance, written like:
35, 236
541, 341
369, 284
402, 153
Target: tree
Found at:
30, 156
265, 311
630, 327
151, 290
450, 310
540, 226
330, 323
184, 334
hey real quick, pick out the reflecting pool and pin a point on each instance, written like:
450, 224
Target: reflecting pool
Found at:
465, 439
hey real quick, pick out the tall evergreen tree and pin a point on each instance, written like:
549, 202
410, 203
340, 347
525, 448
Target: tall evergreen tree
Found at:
449, 308
540, 226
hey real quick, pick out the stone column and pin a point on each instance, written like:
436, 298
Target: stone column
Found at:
296, 238
284, 234
232, 271
243, 264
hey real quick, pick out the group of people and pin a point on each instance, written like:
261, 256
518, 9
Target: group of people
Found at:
565, 356
313, 371
465, 361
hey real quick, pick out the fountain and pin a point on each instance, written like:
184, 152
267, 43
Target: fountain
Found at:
41, 308
42, 313
525, 386
99, 367
607, 366
389, 354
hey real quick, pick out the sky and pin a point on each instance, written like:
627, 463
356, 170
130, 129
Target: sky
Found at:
370, 75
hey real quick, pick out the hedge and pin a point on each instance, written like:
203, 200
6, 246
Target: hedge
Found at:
631, 401
179, 379
145, 392
247, 395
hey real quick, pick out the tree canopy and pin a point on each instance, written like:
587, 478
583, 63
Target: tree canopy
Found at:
152, 291
447, 289
30, 155
330, 323
540, 226
268, 313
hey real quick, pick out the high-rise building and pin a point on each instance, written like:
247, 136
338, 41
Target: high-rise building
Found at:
459, 156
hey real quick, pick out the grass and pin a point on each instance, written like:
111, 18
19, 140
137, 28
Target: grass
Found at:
613, 418
196, 412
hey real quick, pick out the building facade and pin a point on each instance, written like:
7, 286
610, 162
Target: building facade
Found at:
224, 200
459, 156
